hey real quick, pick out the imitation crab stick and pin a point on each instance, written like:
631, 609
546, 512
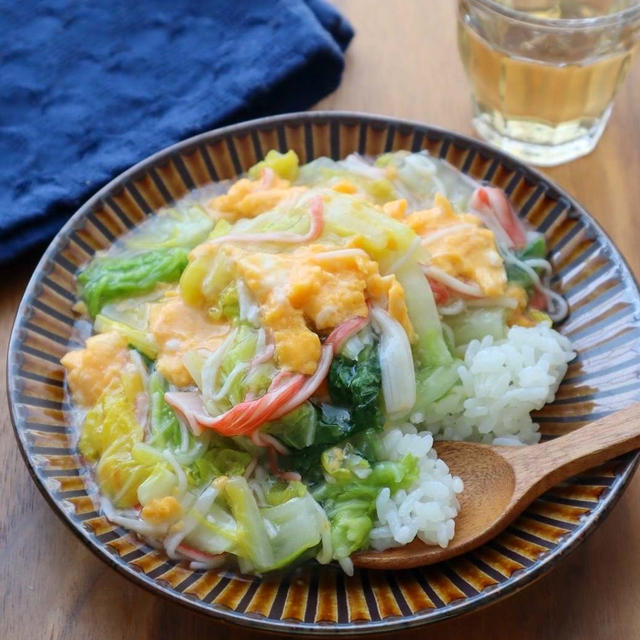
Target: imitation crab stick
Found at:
287, 391
494, 208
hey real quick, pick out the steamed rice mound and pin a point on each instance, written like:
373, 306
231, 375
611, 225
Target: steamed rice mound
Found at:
501, 382
427, 510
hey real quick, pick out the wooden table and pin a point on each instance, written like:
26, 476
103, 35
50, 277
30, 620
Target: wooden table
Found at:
403, 62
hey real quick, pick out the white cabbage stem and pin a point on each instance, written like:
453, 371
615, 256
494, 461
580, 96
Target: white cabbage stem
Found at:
357, 164
234, 374
396, 363
177, 469
210, 370
452, 309
249, 309
135, 524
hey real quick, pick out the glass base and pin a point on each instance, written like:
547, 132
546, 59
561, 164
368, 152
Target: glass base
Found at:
540, 144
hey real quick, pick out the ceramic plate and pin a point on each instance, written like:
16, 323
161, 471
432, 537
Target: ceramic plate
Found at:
603, 325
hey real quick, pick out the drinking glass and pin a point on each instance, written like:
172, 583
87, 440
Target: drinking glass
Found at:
544, 73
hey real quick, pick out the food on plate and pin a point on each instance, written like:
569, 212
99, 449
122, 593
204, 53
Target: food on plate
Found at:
266, 363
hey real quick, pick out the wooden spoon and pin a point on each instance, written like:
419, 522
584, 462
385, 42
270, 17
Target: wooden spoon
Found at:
501, 482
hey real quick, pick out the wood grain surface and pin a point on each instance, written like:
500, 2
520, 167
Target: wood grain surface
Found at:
403, 62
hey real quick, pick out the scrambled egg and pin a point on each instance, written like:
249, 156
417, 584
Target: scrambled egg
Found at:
318, 284
177, 328
248, 198
345, 186
467, 251
396, 209
93, 368
161, 510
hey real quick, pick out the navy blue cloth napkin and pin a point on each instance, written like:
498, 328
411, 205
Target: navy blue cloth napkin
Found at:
89, 88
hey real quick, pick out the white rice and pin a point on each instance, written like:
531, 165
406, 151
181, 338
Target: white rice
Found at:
428, 508
501, 383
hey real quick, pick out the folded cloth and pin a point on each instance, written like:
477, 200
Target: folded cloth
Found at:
89, 88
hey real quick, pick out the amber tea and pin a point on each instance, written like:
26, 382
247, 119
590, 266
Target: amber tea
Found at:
544, 74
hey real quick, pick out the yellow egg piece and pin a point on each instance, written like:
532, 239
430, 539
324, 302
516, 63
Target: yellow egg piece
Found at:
177, 328
93, 368
248, 198
314, 289
461, 246
396, 209
161, 510
344, 186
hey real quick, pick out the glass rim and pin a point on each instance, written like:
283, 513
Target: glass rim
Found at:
596, 22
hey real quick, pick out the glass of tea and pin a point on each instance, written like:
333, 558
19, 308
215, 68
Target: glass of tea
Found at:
544, 73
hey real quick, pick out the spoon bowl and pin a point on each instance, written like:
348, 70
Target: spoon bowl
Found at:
500, 482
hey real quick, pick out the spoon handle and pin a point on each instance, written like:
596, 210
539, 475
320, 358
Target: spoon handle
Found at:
540, 467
